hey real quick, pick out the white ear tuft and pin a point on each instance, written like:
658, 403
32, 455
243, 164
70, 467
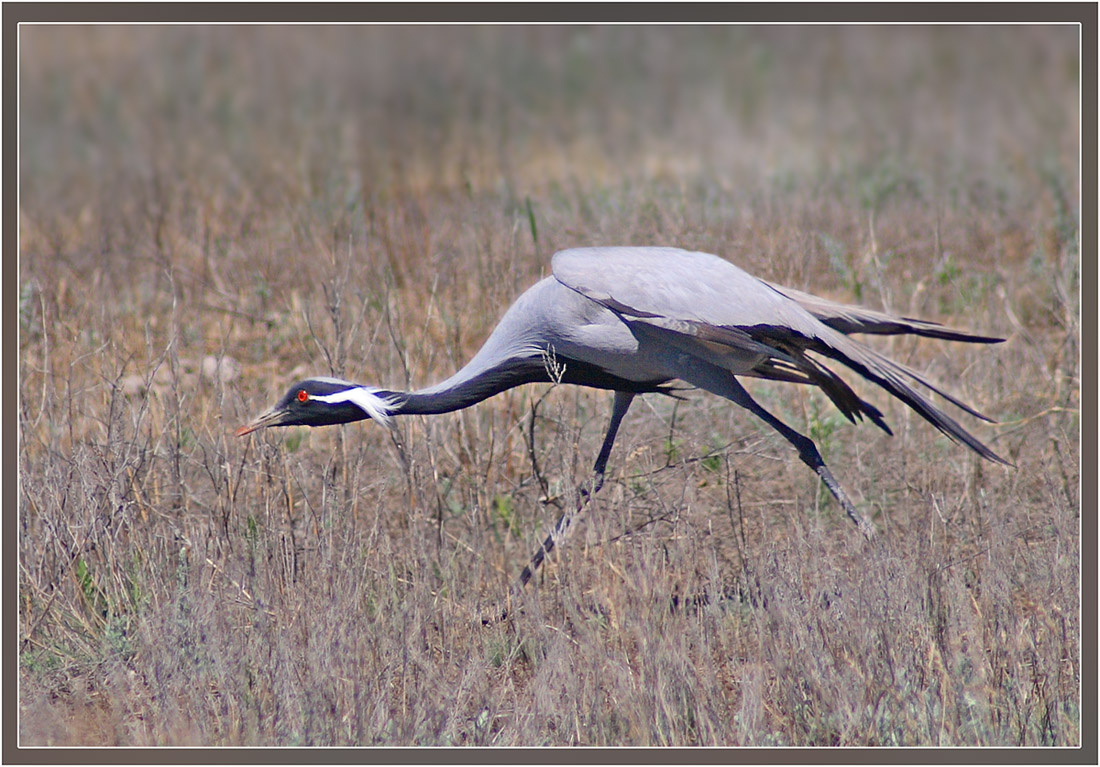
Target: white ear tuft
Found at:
365, 399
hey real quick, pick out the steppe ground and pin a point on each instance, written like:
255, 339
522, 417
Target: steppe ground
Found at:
208, 214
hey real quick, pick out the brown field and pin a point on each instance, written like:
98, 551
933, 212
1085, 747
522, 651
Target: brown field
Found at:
365, 202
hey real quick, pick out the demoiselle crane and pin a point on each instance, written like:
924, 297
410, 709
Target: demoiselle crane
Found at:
635, 319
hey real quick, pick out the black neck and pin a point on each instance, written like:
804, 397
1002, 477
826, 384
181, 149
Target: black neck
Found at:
507, 375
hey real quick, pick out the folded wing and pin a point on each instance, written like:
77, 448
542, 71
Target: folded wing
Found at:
714, 311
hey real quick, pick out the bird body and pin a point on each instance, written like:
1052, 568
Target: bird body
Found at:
550, 318
635, 319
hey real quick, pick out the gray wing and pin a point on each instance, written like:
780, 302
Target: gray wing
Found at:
672, 283
710, 309
705, 303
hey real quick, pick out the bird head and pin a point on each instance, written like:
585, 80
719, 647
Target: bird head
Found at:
322, 402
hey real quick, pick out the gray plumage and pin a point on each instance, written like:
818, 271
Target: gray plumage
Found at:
635, 319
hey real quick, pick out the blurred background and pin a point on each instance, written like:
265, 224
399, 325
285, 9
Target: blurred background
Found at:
209, 212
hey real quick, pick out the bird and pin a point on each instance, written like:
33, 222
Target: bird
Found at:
637, 320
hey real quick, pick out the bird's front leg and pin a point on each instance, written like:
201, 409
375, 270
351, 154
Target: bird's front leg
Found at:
584, 492
561, 529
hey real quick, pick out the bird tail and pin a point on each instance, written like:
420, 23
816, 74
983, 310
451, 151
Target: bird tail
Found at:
891, 376
798, 367
848, 319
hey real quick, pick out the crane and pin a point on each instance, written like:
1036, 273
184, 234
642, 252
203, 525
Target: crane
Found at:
633, 320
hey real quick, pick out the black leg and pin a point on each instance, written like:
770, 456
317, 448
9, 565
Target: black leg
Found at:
584, 494
807, 451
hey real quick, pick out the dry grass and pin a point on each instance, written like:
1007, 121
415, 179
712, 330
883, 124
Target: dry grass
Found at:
365, 202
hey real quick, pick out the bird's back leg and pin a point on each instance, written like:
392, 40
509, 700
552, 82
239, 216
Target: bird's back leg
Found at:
584, 493
807, 451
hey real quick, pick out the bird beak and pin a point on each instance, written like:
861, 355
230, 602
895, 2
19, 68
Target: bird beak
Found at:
270, 417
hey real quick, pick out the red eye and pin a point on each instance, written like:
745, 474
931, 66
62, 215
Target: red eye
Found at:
302, 396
